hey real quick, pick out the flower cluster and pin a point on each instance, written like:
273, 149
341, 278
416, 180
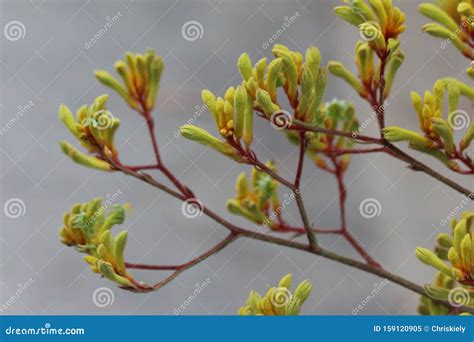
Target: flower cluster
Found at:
437, 139
87, 227
430, 307
453, 22
379, 27
140, 75
334, 115
378, 20
278, 301
303, 84
257, 201
458, 249
94, 126
233, 116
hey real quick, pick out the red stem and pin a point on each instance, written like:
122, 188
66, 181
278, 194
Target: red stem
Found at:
342, 209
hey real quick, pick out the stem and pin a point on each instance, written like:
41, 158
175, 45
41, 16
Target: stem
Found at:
342, 209
237, 231
394, 151
220, 246
299, 201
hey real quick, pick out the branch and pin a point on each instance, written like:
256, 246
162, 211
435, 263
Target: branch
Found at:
299, 200
237, 231
391, 149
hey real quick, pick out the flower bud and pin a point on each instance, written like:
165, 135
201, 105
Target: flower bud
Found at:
431, 259
84, 159
442, 128
204, 138
264, 101
437, 14
245, 66
274, 70
303, 290
347, 14
339, 70
394, 134
285, 281
109, 81
240, 106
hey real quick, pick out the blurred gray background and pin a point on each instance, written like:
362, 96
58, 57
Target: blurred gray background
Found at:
51, 64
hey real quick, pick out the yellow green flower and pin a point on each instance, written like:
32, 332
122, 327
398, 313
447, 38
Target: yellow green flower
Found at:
278, 301
140, 76
94, 127
457, 249
257, 201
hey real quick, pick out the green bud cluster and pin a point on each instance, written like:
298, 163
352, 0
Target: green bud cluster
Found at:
278, 301
87, 227
94, 126
257, 201
335, 115
453, 21
437, 138
457, 249
140, 76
